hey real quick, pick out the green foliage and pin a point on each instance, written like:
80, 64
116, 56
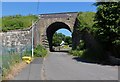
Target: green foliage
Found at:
17, 22
108, 24
77, 53
92, 54
81, 45
59, 37
8, 61
85, 20
68, 40
40, 51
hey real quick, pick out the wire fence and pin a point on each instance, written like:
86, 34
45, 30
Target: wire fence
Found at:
13, 54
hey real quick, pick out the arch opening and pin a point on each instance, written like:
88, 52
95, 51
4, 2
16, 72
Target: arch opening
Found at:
51, 31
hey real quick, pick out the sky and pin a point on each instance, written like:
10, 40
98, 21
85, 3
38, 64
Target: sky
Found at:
48, 0
35, 8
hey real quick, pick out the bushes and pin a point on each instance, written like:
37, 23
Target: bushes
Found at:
94, 55
77, 53
80, 49
8, 61
81, 45
90, 54
40, 51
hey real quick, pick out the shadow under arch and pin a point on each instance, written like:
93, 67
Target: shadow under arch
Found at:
52, 28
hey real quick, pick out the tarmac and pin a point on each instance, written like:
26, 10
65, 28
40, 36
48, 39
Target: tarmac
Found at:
32, 71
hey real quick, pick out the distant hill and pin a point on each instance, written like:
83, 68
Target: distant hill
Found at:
17, 22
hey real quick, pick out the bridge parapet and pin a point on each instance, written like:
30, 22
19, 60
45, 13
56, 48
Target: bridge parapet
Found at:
59, 15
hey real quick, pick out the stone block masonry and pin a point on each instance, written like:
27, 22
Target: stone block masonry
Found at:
16, 38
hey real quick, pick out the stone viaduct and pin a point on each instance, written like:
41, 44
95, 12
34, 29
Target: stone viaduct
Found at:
50, 23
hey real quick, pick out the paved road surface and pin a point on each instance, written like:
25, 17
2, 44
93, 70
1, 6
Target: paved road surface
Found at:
32, 71
60, 66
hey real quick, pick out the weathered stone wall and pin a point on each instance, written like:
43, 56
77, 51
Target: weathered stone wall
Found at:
86, 36
16, 38
21, 37
20, 40
16, 41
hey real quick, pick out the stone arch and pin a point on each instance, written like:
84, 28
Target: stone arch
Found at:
52, 28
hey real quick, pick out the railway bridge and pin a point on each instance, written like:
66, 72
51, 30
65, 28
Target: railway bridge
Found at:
50, 23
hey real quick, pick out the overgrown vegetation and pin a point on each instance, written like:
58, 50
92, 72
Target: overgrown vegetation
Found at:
77, 53
40, 51
85, 20
80, 49
108, 26
17, 22
85, 23
104, 26
8, 61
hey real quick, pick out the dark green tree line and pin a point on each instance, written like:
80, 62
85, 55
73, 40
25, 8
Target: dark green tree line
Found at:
107, 25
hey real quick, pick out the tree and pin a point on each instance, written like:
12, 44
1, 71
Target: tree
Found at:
68, 40
108, 23
57, 39
107, 26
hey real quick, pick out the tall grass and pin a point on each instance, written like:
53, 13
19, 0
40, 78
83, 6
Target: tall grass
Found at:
8, 61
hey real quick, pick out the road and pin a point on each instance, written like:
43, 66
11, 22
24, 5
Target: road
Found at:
61, 66
32, 71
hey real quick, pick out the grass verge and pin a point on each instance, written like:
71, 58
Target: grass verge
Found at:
15, 69
8, 61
